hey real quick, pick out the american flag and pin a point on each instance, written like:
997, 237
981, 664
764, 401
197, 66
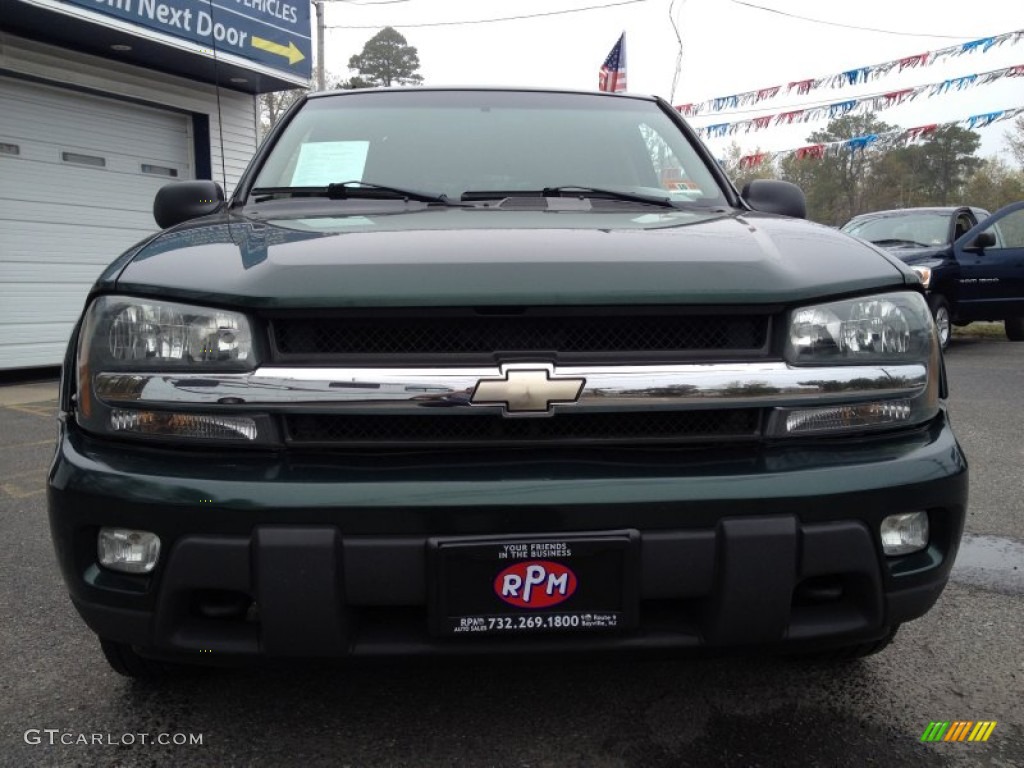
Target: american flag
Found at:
613, 71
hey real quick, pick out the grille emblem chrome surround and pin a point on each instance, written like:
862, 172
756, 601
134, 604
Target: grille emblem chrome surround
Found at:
527, 391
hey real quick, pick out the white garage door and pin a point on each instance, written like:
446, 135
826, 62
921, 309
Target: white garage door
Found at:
77, 178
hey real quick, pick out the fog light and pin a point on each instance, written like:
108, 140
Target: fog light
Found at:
128, 551
904, 533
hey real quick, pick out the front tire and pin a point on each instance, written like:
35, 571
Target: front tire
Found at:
1014, 328
943, 318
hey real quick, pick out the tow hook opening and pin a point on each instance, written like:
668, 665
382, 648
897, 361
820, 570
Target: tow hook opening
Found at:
224, 605
818, 590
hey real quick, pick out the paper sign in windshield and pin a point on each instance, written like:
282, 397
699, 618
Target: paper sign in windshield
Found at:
330, 162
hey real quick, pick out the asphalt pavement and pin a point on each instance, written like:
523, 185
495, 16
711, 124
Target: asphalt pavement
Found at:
60, 705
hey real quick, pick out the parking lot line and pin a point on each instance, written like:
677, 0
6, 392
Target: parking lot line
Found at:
45, 411
17, 493
9, 446
33, 485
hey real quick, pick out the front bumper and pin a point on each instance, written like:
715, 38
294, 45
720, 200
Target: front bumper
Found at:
776, 547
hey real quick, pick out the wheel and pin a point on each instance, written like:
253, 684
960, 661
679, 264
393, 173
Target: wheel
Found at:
1014, 328
943, 320
853, 652
125, 661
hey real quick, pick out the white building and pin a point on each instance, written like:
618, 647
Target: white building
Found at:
101, 103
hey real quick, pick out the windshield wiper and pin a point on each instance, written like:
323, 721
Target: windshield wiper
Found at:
899, 241
611, 194
569, 190
370, 191
353, 190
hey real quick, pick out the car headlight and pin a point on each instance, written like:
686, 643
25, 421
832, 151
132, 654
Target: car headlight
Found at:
887, 328
892, 329
122, 335
127, 333
925, 273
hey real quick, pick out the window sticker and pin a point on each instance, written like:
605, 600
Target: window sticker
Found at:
330, 162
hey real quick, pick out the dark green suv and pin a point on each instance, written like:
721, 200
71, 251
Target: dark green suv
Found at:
457, 371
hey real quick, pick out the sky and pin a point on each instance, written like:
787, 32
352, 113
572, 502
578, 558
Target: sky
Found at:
728, 47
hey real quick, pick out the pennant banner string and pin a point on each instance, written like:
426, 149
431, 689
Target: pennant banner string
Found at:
869, 104
958, 83
889, 140
851, 76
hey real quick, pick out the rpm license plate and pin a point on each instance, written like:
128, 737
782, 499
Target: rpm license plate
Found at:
526, 585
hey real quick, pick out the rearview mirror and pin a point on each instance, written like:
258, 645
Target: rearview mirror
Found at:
184, 200
981, 242
771, 196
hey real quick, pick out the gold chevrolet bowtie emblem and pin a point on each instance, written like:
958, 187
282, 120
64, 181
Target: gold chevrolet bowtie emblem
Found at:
527, 391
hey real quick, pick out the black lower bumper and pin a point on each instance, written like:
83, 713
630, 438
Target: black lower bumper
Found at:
800, 565
751, 581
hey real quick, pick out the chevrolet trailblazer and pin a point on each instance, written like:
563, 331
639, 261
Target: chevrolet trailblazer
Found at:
461, 371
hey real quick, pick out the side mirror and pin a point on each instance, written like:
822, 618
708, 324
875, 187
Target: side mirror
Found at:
184, 200
779, 197
981, 242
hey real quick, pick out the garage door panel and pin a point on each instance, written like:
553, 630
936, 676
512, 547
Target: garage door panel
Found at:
41, 302
82, 215
72, 184
19, 117
26, 334
29, 243
69, 159
105, 115
33, 355
94, 108
67, 182
36, 321
145, 148
22, 118
62, 223
23, 272
108, 203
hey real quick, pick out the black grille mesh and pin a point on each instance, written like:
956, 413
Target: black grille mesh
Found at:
482, 334
634, 427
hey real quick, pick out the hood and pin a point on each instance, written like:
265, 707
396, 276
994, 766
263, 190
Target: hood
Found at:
460, 256
929, 255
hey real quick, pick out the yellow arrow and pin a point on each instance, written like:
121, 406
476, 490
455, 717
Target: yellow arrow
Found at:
289, 51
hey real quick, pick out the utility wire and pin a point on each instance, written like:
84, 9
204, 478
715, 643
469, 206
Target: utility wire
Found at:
487, 21
846, 26
679, 53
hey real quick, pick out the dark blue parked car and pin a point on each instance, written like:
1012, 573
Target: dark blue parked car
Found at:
972, 263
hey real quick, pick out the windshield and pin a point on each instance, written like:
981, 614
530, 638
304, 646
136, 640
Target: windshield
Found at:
453, 142
921, 228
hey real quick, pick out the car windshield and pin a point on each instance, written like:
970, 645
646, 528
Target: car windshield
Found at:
921, 228
456, 142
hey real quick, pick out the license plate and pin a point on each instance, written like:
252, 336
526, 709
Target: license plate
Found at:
526, 585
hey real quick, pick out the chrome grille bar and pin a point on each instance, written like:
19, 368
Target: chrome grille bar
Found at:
605, 388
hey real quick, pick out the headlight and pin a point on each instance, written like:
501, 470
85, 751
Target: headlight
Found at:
925, 273
125, 335
891, 328
888, 328
133, 334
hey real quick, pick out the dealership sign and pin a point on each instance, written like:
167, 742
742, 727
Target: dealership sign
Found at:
274, 33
